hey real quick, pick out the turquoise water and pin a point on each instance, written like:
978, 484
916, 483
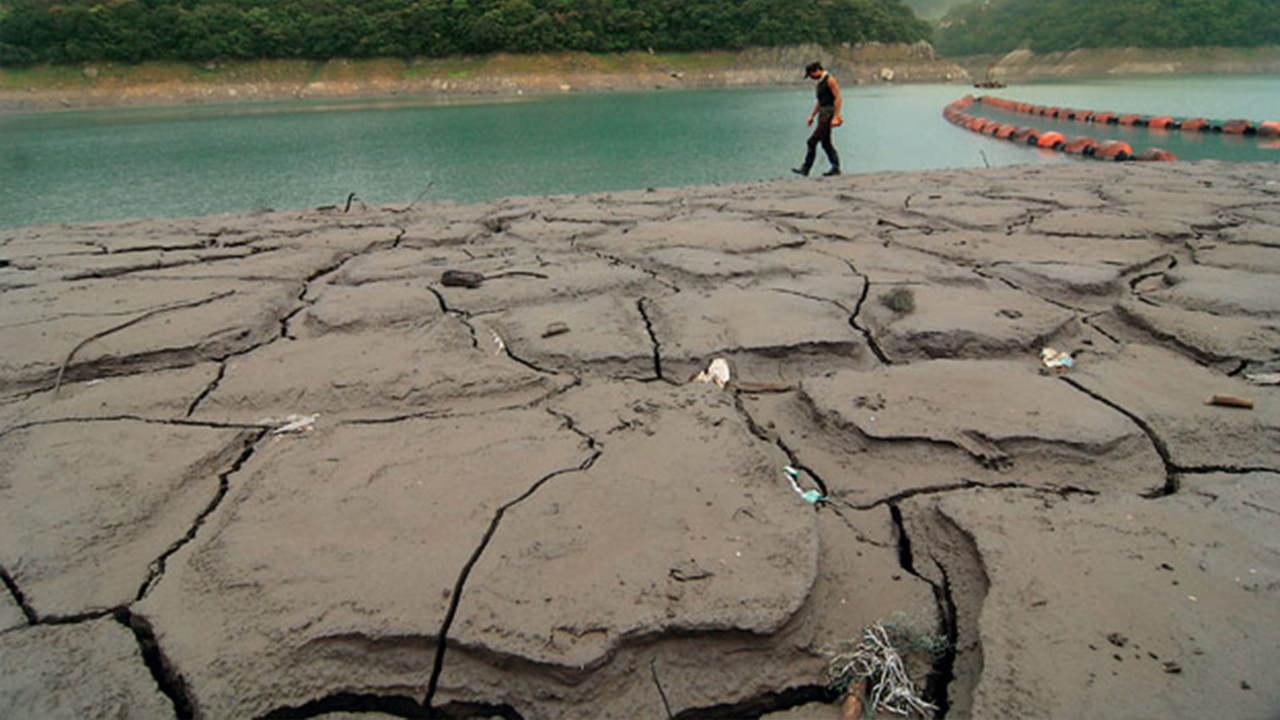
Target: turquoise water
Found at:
102, 165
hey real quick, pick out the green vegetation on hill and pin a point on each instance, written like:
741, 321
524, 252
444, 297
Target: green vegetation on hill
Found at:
998, 26
71, 31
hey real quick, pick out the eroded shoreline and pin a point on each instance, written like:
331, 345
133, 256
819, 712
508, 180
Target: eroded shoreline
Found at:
271, 465
160, 84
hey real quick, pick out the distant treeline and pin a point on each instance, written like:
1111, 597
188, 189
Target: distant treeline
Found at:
998, 26
71, 31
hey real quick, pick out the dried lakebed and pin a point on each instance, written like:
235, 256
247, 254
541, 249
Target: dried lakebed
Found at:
511, 500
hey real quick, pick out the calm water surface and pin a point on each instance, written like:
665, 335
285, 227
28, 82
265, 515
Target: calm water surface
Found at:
86, 166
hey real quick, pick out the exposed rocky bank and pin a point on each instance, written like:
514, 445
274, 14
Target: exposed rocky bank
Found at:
271, 465
1023, 65
126, 86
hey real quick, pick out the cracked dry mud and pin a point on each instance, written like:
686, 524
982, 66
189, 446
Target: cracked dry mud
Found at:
512, 500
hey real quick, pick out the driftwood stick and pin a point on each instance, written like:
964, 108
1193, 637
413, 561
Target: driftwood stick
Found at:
1230, 401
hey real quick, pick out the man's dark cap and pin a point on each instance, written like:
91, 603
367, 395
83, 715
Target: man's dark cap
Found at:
808, 70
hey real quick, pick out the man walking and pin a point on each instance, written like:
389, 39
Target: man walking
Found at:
827, 110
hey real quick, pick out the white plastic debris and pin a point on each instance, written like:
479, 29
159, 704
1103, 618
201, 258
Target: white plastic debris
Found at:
292, 424
810, 496
497, 340
717, 372
1263, 378
1055, 360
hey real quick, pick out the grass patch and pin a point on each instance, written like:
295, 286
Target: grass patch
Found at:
900, 300
43, 76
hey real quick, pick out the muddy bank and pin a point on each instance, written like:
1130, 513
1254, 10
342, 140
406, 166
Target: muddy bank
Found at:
1021, 65
275, 465
175, 84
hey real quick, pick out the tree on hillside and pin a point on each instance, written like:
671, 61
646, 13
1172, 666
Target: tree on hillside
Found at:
999, 26
133, 30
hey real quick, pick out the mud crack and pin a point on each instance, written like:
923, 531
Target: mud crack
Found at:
939, 681
959, 581
250, 442
657, 683
463, 316
966, 484
169, 680
62, 371
394, 706
1171, 470
857, 311
653, 337
213, 385
775, 439
455, 598
15, 592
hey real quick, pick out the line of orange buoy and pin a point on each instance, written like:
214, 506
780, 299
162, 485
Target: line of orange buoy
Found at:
1082, 146
1157, 122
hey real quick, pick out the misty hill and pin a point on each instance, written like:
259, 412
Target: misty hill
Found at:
74, 31
933, 9
999, 26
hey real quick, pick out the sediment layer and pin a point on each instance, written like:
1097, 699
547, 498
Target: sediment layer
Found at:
458, 78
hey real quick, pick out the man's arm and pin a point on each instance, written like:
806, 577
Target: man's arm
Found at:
835, 88
813, 114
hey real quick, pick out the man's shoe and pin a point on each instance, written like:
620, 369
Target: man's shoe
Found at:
831, 172
800, 171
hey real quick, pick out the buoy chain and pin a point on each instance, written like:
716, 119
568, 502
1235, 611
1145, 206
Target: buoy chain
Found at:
1156, 122
1083, 146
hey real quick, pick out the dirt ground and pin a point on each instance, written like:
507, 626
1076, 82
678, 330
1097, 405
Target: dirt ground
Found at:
274, 465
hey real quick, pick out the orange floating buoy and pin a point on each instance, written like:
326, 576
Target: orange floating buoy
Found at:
1195, 125
1160, 122
1052, 140
1053, 111
1114, 150
1130, 119
1027, 135
1238, 127
1081, 146
1269, 128
1104, 118
992, 128
1084, 116
978, 124
1006, 132
1156, 155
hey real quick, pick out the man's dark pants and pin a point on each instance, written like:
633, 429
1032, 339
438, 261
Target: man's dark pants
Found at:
822, 135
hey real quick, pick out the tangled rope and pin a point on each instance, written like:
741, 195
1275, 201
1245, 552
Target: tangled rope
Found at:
874, 659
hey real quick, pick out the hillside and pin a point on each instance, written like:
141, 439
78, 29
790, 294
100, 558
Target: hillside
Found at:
933, 9
1000, 26
75, 31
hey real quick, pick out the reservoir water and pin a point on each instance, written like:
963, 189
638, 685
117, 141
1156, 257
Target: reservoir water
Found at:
84, 166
